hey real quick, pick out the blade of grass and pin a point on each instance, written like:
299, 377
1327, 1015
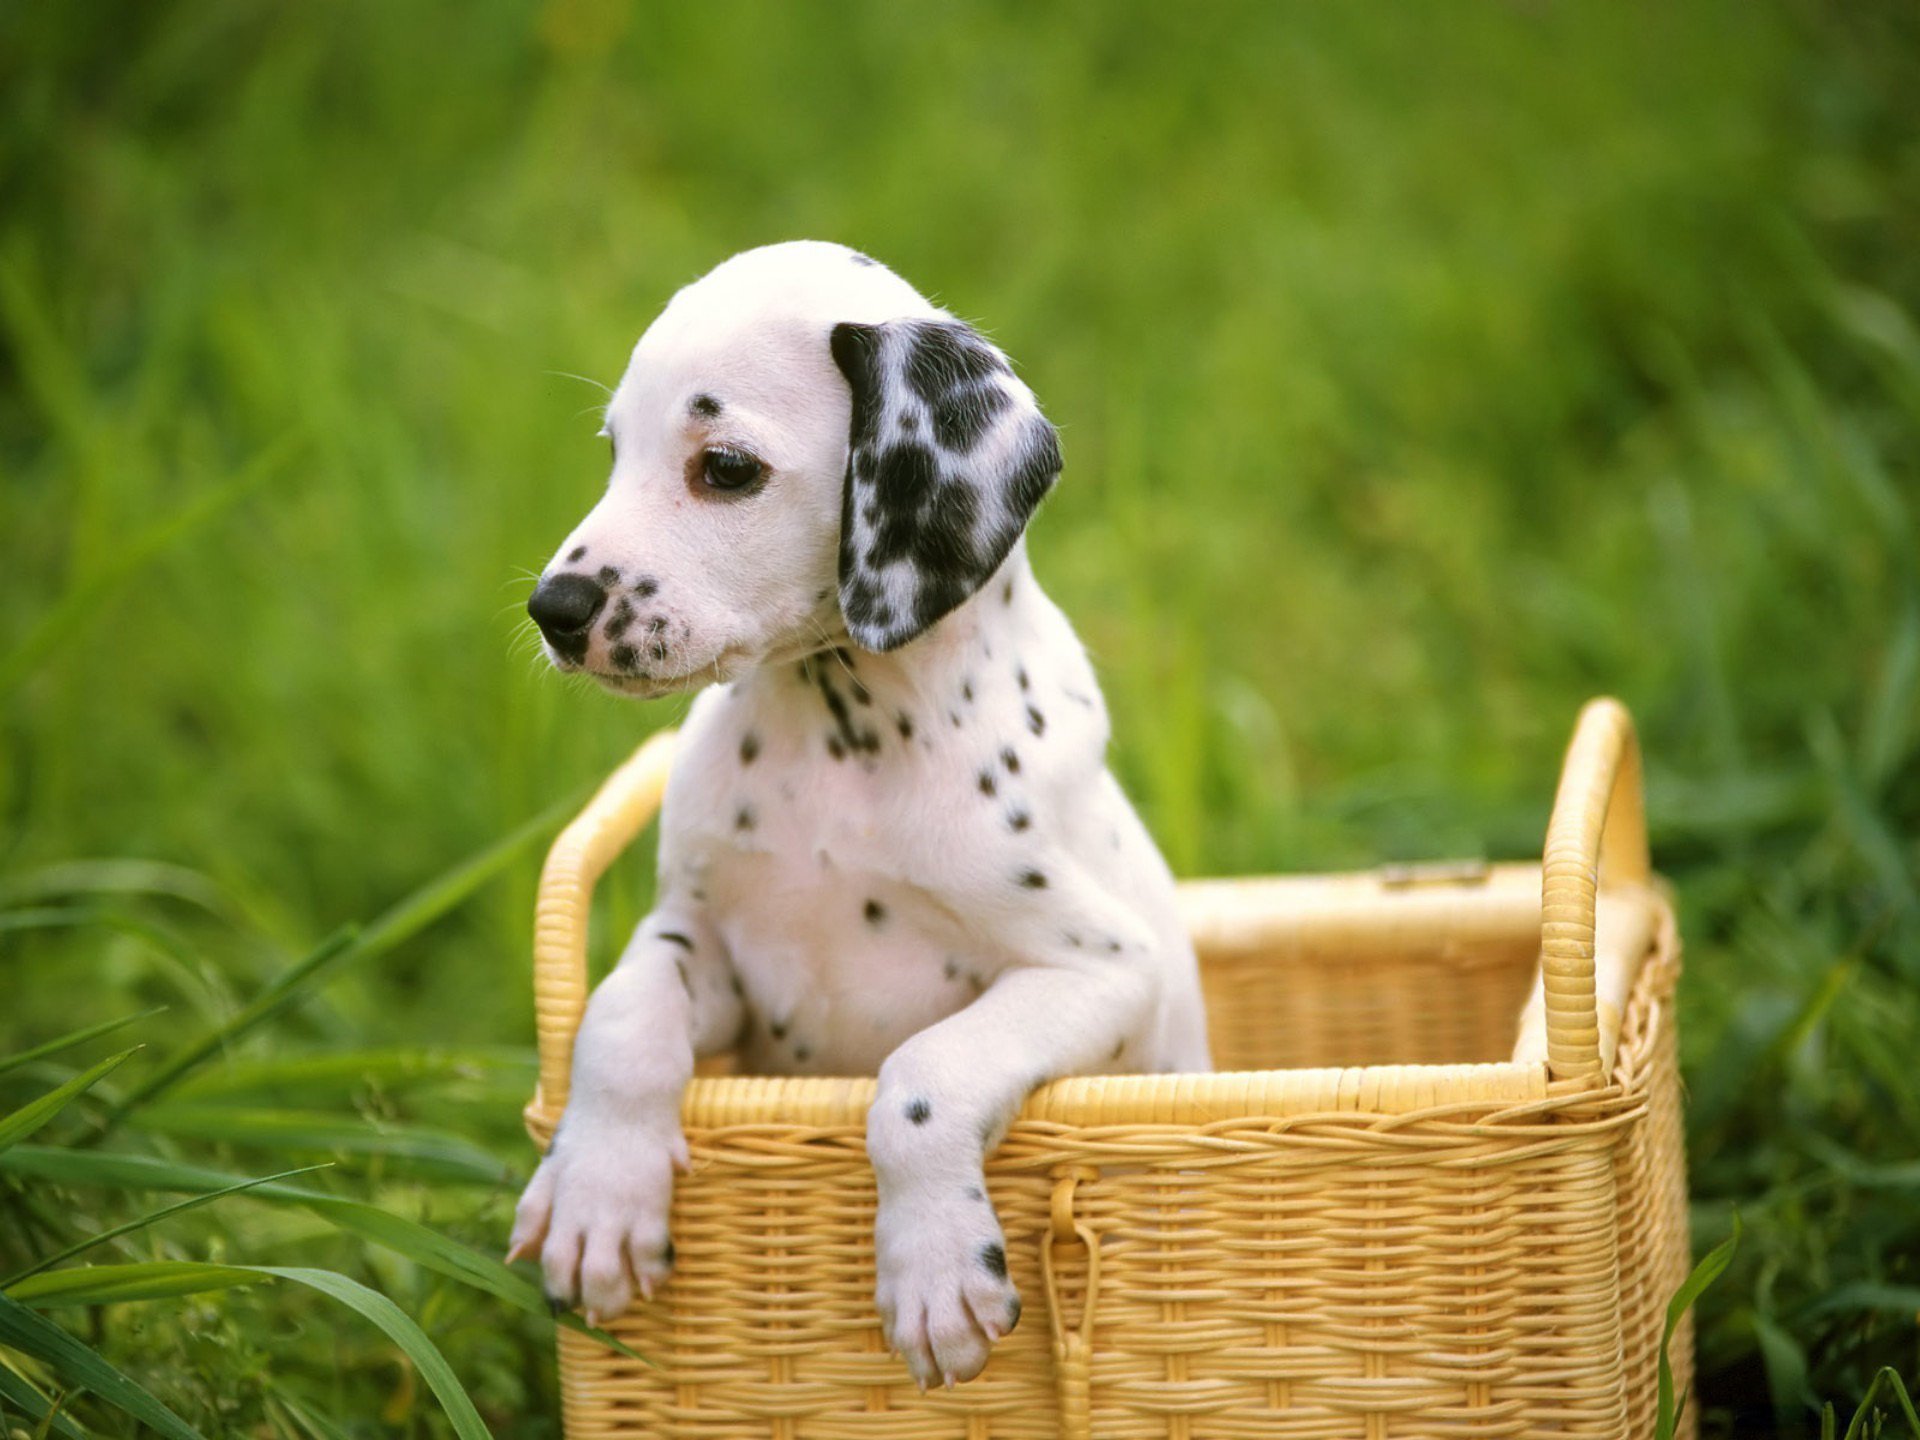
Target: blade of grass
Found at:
138, 1280
409, 1239
1889, 1377
30, 1117
262, 1007
152, 878
78, 1364
75, 1037
400, 922
400, 1329
21, 1393
80, 1247
1712, 1264
430, 1152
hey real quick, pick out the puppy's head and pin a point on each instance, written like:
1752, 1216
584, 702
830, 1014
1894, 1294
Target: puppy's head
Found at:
804, 449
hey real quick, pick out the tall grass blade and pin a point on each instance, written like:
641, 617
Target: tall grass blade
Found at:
80, 1247
138, 1280
161, 1279
400, 1329
78, 1364
1712, 1264
425, 1247
418, 1150
263, 1007
16, 1390
30, 1117
146, 878
400, 922
1867, 1414
75, 1037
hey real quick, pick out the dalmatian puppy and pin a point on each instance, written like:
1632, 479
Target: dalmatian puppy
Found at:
890, 841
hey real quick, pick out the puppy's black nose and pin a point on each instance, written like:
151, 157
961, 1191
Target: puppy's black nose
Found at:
564, 605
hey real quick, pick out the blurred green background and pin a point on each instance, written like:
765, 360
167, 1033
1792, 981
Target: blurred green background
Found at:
1421, 372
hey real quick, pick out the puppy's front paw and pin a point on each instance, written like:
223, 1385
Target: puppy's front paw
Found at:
942, 1288
597, 1211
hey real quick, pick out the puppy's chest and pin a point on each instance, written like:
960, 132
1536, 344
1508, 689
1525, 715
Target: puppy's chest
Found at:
814, 869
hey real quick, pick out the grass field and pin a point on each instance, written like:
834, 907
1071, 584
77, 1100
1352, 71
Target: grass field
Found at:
1420, 373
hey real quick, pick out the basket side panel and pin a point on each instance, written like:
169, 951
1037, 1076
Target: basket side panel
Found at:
768, 1328
1656, 1249
1332, 1277
1377, 1288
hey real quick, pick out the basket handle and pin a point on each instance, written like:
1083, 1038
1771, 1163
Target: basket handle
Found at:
618, 811
1598, 829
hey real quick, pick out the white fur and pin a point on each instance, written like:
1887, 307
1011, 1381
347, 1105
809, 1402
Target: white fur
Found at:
874, 911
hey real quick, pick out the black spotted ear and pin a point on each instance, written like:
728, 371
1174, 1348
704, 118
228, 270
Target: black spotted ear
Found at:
947, 456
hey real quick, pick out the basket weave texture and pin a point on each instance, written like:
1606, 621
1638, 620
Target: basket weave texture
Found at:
1369, 1224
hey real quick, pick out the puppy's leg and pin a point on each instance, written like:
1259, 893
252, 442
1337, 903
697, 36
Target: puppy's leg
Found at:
597, 1207
945, 1099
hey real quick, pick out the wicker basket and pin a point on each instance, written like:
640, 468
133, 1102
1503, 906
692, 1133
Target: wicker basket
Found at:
1371, 1224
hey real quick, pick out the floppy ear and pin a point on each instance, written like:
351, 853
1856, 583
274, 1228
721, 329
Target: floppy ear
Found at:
947, 456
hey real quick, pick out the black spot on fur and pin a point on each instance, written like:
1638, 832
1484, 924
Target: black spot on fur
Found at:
576, 555
942, 355
743, 818
705, 405
1018, 820
777, 1029
973, 979
919, 1111
861, 695
802, 1053
686, 980
994, 1259
846, 734
749, 748
962, 418
622, 617
987, 785
835, 748
954, 716
738, 989
1113, 947
974, 1192
656, 624
1033, 880
625, 656
646, 586
1013, 1313
951, 969
1036, 722
1119, 1047
674, 937
1020, 674
1073, 939
1006, 593
657, 650
875, 912
904, 724
607, 575
1010, 760
966, 690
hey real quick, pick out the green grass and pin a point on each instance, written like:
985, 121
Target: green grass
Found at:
1420, 374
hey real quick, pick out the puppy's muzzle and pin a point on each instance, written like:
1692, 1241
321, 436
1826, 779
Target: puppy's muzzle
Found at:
564, 607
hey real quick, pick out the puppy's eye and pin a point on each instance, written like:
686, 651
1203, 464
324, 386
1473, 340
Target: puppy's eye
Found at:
724, 468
